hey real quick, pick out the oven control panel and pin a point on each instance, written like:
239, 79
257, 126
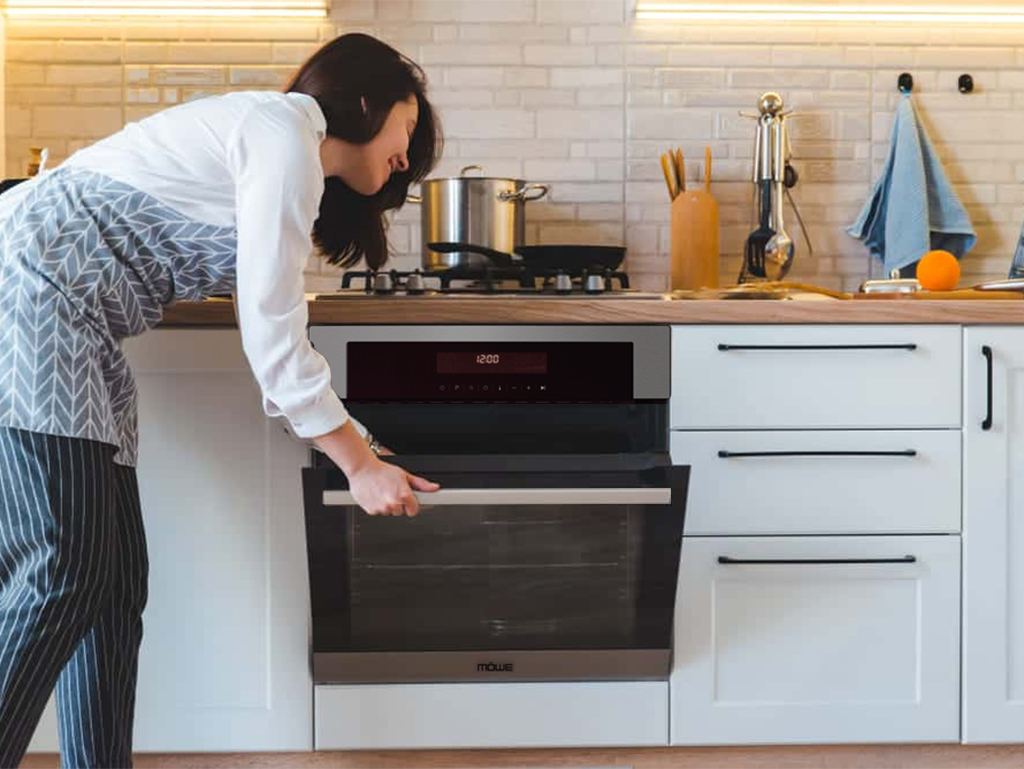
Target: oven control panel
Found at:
531, 372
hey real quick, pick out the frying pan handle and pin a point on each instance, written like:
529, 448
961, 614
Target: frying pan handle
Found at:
500, 258
522, 194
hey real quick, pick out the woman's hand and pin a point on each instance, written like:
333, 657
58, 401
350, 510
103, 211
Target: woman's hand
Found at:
378, 487
385, 489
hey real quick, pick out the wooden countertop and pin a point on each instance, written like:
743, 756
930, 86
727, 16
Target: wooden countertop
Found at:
482, 310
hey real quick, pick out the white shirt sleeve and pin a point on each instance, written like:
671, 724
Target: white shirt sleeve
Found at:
275, 161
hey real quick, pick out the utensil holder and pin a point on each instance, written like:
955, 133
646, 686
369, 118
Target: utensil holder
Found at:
694, 241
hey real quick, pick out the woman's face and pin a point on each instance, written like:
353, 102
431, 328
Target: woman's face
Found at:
367, 167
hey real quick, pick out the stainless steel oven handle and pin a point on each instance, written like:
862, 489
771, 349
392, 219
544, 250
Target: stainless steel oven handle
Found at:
598, 496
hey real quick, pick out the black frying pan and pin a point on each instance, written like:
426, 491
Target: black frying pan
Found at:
571, 258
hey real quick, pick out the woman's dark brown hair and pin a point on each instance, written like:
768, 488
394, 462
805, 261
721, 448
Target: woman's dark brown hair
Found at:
339, 76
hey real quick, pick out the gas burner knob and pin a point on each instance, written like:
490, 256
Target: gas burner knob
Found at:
563, 283
383, 283
595, 283
414, 283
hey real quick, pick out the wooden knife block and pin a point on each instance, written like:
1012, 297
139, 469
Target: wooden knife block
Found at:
695, 241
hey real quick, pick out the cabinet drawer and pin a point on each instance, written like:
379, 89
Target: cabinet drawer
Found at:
817, 640
815, 376
485, 715
821, 481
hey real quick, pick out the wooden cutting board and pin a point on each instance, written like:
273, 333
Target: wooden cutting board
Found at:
963, 293
695, 236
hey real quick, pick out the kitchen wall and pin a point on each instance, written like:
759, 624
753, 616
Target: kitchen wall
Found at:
580, 94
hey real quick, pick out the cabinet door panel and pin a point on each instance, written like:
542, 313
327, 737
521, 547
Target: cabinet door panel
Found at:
816, 639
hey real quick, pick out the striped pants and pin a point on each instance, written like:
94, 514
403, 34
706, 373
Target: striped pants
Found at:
73, 572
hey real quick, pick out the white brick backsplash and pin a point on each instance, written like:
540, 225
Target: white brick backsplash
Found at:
561, 170
602, 98
189, 75
585, 77
103, 95
462, 53
143, 96
671, 124
580, 11
19, 121
526, 77
259, 76
579, 124
290, 53
25, 74
488, 124
513, 148
465, 98
580, 95
513, 33
94, 122
219, 52
482, 77
566, 55
40, 95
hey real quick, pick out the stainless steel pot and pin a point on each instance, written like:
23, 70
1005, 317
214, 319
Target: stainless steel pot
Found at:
481, 210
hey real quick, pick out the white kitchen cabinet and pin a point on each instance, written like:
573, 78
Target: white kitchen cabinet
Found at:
820, 481
815, 377
224, 659
789, 650
993, 536
224, 664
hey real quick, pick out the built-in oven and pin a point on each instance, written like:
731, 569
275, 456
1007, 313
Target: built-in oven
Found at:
551, 551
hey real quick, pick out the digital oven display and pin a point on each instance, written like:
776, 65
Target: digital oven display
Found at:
492, 362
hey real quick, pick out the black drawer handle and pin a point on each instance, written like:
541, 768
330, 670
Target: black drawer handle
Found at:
986, 423
732, 347
726, 560
741, 454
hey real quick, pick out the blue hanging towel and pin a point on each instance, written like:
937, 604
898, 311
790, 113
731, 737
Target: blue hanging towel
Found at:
912, 208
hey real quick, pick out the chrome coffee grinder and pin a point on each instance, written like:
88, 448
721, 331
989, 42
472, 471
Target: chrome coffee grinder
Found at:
768, 251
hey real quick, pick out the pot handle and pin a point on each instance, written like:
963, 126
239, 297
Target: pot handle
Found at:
541, 189
462, 171
413, 199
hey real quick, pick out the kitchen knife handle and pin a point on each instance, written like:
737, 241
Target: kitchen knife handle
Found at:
727, 561
986, 423
723, 454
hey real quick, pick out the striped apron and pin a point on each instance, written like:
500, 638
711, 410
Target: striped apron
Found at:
85, 262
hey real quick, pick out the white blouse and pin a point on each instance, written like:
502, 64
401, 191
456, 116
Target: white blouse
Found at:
250, 160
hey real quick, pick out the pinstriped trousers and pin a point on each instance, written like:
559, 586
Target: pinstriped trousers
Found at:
73, 574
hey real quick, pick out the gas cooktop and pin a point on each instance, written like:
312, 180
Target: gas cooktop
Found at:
489, 282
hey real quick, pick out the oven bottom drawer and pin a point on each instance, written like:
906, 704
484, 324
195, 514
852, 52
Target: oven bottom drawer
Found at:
485, 715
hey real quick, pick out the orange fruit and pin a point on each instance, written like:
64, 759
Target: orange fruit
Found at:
938, 271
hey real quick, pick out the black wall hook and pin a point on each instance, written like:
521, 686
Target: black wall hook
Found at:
905, 82
965, 84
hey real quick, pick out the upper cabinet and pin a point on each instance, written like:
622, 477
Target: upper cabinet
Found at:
993, 535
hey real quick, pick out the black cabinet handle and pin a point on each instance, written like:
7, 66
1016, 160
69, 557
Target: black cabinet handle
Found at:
732, 347
726, 560
986, 423
723, 454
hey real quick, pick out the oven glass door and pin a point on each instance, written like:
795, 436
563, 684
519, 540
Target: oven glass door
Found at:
519, 568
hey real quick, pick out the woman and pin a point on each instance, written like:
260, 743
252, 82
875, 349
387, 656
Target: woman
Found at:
227, 193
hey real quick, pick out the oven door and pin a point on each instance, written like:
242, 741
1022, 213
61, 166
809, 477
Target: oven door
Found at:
525, 568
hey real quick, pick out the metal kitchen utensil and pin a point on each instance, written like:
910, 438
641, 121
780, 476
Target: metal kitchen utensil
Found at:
769, 250
778, 251
757, 241
487, 211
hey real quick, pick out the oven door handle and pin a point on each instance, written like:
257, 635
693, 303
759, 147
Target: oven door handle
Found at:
488, 497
